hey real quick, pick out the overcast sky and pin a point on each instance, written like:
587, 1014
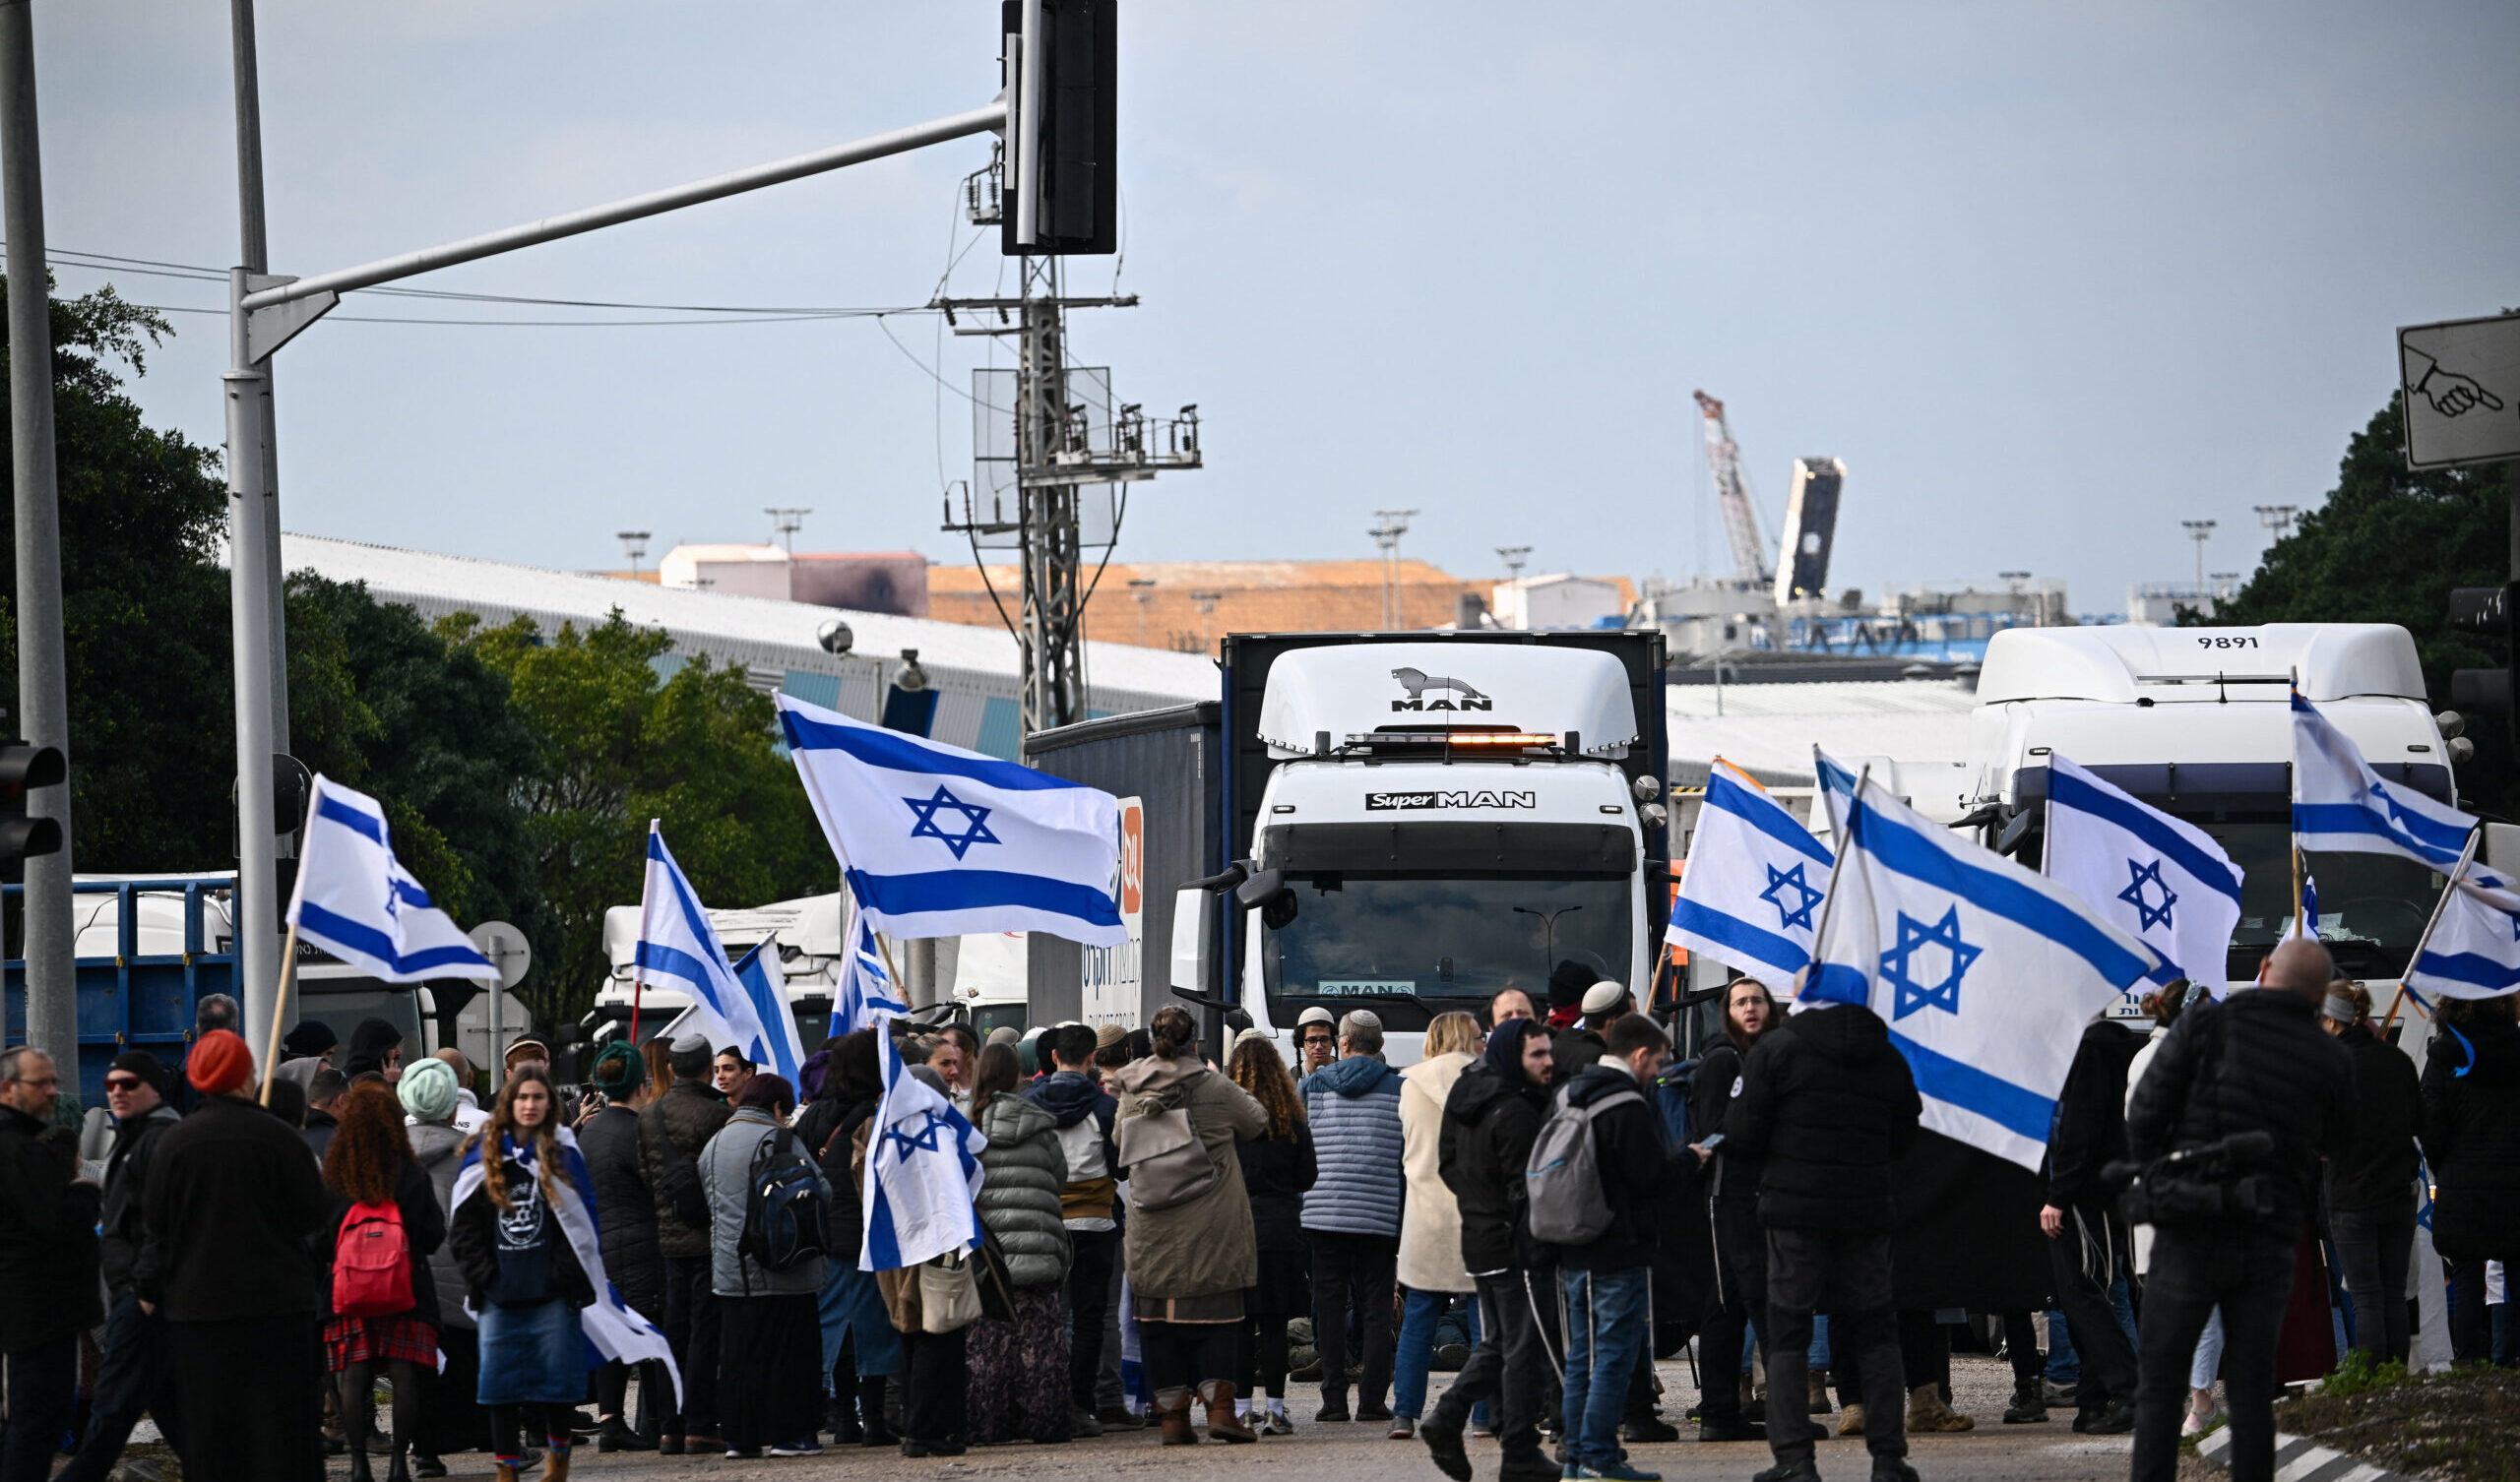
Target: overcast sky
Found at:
2050, 277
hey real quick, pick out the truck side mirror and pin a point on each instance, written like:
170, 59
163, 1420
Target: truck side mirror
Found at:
1266, 892
1192, 941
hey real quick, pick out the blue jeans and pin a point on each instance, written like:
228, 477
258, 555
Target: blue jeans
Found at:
1419, 1314
1607, 1319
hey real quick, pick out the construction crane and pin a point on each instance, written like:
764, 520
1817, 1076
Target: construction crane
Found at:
1740, 519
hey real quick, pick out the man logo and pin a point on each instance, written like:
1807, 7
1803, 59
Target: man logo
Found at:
1418, 682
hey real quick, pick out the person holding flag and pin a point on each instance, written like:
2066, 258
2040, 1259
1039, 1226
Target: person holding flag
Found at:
919, 1200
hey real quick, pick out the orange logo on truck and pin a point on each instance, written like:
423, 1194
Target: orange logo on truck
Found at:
1132, 857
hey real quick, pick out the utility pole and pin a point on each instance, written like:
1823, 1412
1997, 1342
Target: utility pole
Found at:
2201, 532
43, 678
1395, 523
254, 252
2277, 519
1141, 588
786, 520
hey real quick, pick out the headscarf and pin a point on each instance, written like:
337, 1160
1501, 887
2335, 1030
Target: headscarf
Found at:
220, 1063
618, 1070
1504, 1052
428, 1089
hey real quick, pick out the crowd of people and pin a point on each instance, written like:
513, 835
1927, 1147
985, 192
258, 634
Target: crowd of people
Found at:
1176, 1231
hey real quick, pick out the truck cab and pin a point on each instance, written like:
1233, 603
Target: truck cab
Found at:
1437, 820
2196, 721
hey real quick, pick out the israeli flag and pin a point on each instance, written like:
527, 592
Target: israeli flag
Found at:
2473, 948
678, 949
2341, 806
765, 985
1836, 788
939, 841
867, 997
2161, 878
611, 1328
1752, 890
1985, 972
354, 900
922, 1173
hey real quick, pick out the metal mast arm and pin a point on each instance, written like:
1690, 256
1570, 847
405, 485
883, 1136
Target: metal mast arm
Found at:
1732, 496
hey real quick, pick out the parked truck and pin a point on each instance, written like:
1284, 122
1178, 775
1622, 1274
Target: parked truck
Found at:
1405, 822
2197, 722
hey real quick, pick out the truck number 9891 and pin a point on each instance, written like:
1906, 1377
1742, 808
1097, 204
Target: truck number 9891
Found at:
2227, 641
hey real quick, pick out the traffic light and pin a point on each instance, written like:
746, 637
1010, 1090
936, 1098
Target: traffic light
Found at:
1063, 128
24, 767
2486, 609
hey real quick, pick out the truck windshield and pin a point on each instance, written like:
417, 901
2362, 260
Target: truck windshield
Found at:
1448, 942
2371, 906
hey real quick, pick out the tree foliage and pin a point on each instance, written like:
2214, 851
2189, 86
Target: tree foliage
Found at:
2387, 546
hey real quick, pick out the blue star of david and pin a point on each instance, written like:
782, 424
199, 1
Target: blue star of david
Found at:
1913, 934
1805, 898
975, 821
2147, 914
925, 1139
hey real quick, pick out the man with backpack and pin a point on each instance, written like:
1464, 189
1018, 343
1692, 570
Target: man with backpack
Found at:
1491, 1118
1829, 1105
1595, 1178
672, 1129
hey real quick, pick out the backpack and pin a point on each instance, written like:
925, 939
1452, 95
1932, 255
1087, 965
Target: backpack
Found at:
372, 1263
787, 1214
1168, 1165
1563, 1177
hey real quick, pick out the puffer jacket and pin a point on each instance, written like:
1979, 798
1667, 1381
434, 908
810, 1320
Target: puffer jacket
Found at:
628, 1218
672, 1129
725, 1172
1489, 1124
2377, 1167
1353, 1106
1430, 1220
1022, 1170
2255, 1062
1830, 1107
439, 1150
2472, 1134
1205, 1247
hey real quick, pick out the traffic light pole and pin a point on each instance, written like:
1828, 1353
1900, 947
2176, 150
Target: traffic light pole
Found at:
43, 685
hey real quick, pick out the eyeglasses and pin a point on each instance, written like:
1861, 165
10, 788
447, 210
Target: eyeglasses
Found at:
1319, 1040
39, 1081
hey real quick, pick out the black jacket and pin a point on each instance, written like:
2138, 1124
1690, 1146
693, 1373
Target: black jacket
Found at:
2091, 1116
1629, 1153
423, 1227
1575, 1049
48, 1239
625, 1216
828, 1129
2472, 1134
1277, 1172
1831, 1106
1481, 1152
1736, 1171
233, 1208
474, 1237
2376, 1169
318, 1131
672, 1129
2258, 1061
119, 1224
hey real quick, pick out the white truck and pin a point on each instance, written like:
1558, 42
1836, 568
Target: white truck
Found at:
1421, 820
2197, 722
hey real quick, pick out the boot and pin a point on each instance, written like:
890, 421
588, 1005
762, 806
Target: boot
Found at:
396, 1468
503, 1471
1173, 1407
2029, 1406
1222, 1423
555, 1467
840, 1417
1926, 1412
872, 1428
359, 1471
1851, 1418
1819, 1393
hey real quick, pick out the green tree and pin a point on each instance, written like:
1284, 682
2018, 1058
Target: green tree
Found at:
623, 744
2387, 546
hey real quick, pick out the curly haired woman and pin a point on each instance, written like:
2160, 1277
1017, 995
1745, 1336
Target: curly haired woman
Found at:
369, 1165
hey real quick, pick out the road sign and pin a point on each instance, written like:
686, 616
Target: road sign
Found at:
2461, 382
506, 948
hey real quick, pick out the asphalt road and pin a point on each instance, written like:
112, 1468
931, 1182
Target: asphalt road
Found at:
1361, 1453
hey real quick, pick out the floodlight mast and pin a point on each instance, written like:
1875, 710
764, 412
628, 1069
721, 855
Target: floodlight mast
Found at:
266, 312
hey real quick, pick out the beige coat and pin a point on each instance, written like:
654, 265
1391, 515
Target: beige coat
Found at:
1205, 1247
1430, 1221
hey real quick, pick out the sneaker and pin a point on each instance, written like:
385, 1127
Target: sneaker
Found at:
2057, 1394
1804, 1470
809, 1446
1652, 1427
1403, 1429
1444, 1448
1618, 1471
2197, 1425
1893, 1469
2115, 1418
426, 1465
1729, 1428
1277, 1423
1120, 1418
1478, 1432
742, 1453
1449, 1357
1373, 1412
1333, 1408
1082, 1423
1533, 1469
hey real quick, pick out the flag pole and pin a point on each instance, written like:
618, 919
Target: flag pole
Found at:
1836, 863
2467, 855
2298, 928
279, 1010
638, 976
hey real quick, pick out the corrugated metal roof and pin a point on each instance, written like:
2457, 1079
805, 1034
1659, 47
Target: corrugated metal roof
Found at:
1769, 729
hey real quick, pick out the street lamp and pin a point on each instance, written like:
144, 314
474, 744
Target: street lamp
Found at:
2199, 530
634, 545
